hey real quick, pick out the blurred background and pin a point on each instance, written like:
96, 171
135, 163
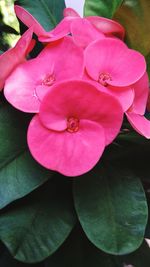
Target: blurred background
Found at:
9, 26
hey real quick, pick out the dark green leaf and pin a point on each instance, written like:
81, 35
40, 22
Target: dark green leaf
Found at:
104, 8
19, 173
47, 12
111, 206
134, 16
77, 251
32, 229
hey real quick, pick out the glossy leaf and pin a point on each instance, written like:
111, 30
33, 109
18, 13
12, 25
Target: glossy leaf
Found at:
112, 208
134, 16
19, 173
32, 229
47, 12
104, 8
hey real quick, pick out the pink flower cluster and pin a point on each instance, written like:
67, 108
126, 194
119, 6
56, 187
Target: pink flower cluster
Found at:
79, 86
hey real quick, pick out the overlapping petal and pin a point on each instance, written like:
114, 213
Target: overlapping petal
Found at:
69, 154
70, 12
81, 99
29, 20
107, 26
14, 56
28, 83
110, 61
73, 152
61, 30
139, 123
81, 36
141, 89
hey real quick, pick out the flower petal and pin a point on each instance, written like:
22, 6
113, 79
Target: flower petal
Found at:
81, 36
22, 88
70, 12
141, 89
14, 56
82, 100
107, 26
125, 95
139, 123
68, 55
71, 154
112, 57
29, 20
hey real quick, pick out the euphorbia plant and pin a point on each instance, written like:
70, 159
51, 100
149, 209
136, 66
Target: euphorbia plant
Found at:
65, 139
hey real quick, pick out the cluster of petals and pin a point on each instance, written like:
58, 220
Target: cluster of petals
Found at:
79, 87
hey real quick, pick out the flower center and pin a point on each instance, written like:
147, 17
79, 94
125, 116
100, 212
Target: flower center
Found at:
72, 125
104, 78
49, 80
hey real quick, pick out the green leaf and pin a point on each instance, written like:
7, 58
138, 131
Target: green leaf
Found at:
34, 228
77, 251
134, 16
6, 260
112, 209
47, 12
104, 8
19, 173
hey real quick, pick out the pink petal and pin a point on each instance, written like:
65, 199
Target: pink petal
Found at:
71, 154
70, 12
29, 20
148, 102
111, 57
81, 36
68, 55
20, 87
28, 84
14, 56
60, 31
107, 26
139, 123
125, 95
81, 99
141, 89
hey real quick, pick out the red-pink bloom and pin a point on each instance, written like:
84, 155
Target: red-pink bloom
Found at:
110, 62
27, 85
14, 56
75, 123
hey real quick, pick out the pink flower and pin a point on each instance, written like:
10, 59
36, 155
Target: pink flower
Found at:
30, 81
75, 123
14, 56
111, 63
